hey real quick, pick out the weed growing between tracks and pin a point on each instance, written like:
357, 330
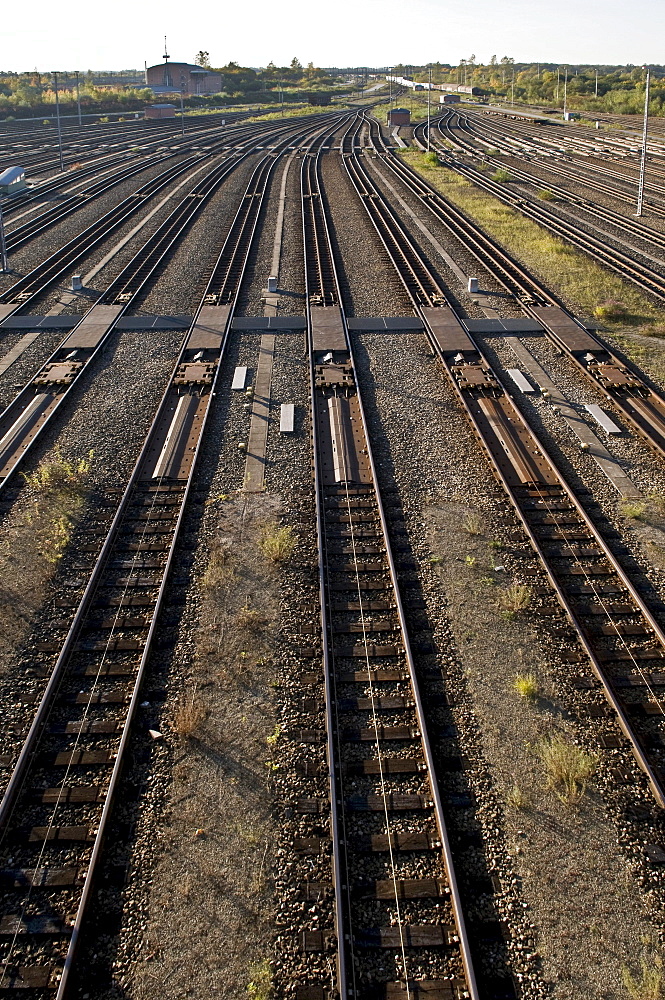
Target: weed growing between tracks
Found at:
649, 982
212, 905
60, 487
579, 280
568, 768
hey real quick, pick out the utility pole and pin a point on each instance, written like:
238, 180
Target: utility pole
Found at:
57, 118
596, 83
429, 99
565, 91
390, 88
182, 106
512, 89
558, 78
643, 162
78, 96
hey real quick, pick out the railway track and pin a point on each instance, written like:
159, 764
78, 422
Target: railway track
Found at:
641, 405
478, 128
395, 888
58, 801
595, 244
627, 224
26, 417
621, 651
22, 294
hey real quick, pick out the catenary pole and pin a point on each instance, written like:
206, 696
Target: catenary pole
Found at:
643, 161
57, 118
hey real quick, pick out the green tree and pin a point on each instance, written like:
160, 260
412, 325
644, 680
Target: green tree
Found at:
202, 59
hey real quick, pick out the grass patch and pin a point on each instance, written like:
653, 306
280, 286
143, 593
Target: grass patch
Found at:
632, 509
546, 195
277, 544
567, 766
260, 986
526, 685
501, 176
290, 111
430, 159
60, 487
580, 281
649, 982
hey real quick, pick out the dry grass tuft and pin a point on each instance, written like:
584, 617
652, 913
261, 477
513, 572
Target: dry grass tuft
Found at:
526, 686
250, 619
517, 799
189, 715
277, 544
473, 524
568, 767
612, 309
516, 597
220, 568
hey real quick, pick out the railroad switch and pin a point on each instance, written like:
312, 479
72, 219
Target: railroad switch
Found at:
474, 377
328, 375
59, 373
195, 373
615, 377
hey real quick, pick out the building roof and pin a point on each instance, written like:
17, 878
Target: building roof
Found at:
192, 67
12, 174
162, 105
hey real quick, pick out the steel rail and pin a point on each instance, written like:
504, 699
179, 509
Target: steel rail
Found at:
645, 277
192, 377
570, 171
641, 405
26, 289
639, 229
20, 428
406, 258
322, 289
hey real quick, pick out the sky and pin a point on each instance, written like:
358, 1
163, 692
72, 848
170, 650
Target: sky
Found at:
344, 33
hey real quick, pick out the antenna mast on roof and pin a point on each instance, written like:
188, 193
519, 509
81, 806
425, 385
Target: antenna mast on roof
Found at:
166, 54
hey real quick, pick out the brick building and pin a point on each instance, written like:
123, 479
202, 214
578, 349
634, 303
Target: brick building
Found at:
173, 77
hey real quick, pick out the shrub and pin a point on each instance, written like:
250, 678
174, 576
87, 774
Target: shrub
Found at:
277, 543
430, 159
526, 686
470, 560
516, 597
60, 487
568, 767
501, 176
59, 476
